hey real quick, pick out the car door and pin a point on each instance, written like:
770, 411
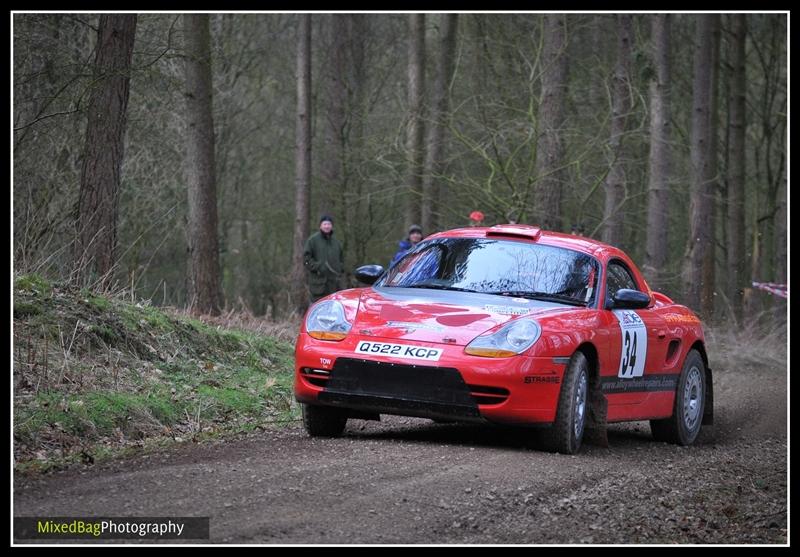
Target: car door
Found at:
638, 339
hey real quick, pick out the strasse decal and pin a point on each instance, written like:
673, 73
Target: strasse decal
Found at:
404, 351
542, 379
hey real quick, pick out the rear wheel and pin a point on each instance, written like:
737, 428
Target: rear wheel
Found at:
567, 432
323, 421
683, 426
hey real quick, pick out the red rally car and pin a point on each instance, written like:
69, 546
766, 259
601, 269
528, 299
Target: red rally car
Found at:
507, 324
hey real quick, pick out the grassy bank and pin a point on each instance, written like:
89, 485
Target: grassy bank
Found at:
96, 376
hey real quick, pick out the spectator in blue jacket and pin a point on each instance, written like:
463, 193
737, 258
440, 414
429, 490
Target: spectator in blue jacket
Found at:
414, 238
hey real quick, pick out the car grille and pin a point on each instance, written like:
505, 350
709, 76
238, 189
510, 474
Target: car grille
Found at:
399, 389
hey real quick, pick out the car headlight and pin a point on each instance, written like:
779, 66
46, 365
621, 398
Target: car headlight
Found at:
327, 321
511, 339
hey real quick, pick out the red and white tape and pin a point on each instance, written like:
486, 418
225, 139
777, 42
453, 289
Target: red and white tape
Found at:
773, 288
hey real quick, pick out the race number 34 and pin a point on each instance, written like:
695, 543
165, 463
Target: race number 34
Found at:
634, 344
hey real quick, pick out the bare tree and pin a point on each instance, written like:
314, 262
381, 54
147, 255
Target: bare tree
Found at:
701, 234
660, 156
781, 231
550, 156
204, 293
336, 104
708, 293
620, 107
434, 161
766, 136
98, 202
302, 157
416, 125
360, 31
355, 237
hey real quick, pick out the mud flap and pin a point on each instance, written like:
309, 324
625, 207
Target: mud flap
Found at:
596, 432
708, 406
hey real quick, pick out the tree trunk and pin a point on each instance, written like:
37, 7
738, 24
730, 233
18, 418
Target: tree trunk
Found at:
620, 106
598, 53
205, 295
357, 237
781, 239
751, 298
416, 127
335, 114
700, 235
302, 160
432, 185
550, 158
770, 159
708, 293
660, 154
98, 199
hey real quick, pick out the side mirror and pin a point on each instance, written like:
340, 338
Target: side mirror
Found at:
368, 274
625, 298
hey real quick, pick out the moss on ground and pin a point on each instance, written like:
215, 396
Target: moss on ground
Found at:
95, 375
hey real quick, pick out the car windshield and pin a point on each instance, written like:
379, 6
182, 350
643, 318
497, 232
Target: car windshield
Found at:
501, 267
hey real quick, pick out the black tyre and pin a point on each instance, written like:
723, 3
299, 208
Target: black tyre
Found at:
684, 425
567, 432
323, 421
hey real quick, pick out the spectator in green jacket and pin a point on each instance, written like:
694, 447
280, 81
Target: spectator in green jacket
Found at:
324, 258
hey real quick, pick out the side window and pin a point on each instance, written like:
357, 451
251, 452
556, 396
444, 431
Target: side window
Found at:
619, 277
415, 267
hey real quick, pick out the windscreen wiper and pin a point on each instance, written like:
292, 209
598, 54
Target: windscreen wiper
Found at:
441, 287
544, 296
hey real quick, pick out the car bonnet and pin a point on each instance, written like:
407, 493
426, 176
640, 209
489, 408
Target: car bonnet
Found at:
441, 316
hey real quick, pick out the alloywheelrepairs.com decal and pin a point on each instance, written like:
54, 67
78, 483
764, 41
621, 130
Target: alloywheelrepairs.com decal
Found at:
646, 383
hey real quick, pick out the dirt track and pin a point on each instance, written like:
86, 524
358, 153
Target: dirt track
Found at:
408, 480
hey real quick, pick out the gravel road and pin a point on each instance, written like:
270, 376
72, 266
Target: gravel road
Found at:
405, 480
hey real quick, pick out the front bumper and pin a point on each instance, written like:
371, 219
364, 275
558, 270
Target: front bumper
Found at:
517, 390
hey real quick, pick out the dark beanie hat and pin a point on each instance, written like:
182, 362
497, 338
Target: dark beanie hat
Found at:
415, 228
324, 218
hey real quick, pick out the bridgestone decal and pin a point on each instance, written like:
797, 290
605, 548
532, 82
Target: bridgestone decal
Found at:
648, 383
506, 310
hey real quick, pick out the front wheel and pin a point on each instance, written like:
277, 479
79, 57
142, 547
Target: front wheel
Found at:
567, 431
323, 421
683, 426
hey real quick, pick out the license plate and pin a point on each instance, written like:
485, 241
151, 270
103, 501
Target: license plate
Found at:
404, 351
